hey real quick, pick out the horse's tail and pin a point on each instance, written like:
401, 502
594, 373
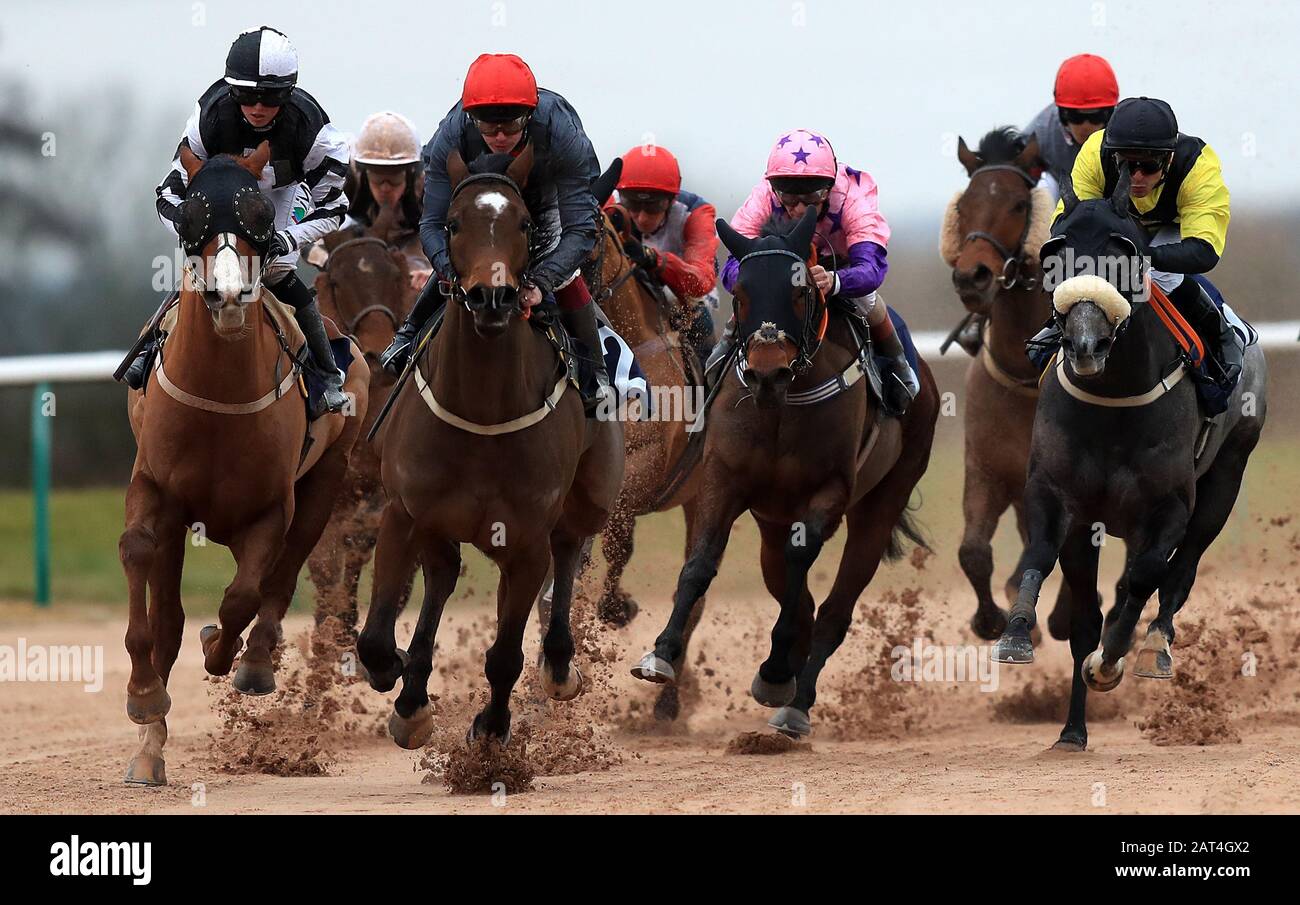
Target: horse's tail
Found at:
907, 529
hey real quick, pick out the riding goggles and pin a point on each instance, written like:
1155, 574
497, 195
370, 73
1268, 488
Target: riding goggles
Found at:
498, 127
645, 202
1147, 166
1099, 116
267, 97
789, 199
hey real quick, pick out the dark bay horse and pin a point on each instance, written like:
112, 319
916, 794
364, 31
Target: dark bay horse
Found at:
220, 432
487, 444
1115, 448
364, 285
800, 464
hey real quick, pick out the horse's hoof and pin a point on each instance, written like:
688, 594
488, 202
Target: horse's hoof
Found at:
413, 732
989, 626
1097, 678
474, 733
149, 707
1071, 744
773, 694
1013, 649
655, 669
254, 678
618, 612
146, 770
792, 722
668, 706
1154, 661
207, 639
561, 691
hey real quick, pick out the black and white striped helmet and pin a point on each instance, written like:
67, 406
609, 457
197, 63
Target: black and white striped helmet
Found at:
262, 59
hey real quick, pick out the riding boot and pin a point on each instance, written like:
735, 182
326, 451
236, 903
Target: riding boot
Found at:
1041, 346
971, 336
582, 326
889, 345
292, 291
719, 353
394, 358
135, 374
1223, 345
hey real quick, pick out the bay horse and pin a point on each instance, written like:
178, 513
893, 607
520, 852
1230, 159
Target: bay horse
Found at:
657, 479
796, 438
990, 238
486, 445
1115, 447
364, 284
220, 435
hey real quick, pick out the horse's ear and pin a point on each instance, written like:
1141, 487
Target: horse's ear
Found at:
603, 185
733, 241
969, 159
256, 162
1068, 197
802, 235
457, 172
190, 161
1028, 158
1119, 197
521, 166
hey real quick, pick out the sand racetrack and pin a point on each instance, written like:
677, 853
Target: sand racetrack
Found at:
1221, 737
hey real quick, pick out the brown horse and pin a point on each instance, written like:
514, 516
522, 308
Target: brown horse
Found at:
991, 235
220, 432
365, 286
486, 444
657, 478
798, 440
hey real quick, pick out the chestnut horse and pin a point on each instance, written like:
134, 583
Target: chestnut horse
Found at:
365, 286
487, 444
799, 441
220, 431
991, 235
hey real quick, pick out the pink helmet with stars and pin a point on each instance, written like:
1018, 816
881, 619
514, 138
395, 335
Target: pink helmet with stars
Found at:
802, 153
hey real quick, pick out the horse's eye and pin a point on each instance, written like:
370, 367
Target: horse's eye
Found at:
1021, 207
525, 226
453, 225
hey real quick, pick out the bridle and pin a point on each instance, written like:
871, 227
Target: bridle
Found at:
452, 288
377, 308
816, 313
602, 294
1013, 263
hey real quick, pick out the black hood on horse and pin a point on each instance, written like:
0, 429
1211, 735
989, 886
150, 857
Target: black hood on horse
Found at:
770, 267
223, 198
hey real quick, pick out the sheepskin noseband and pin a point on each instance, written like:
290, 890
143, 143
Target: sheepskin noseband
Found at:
1091, 288
1041, 205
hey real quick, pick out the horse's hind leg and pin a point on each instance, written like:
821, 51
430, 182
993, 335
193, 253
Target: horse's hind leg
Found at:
411, 724
561, 679
256, 552
983, 502
787, 554
394, 559
1216, 494
1163, 532
147, 700
167, 620
615, 606
1079, 558
521, 577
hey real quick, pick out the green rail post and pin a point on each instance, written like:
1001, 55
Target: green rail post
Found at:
41, 431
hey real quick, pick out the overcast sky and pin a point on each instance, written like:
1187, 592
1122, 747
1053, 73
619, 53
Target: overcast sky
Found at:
716, 81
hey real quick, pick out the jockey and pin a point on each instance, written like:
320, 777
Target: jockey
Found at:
386, 160
1178, 195
802, 171
1085, 95
675, 239
257, 101
501, 109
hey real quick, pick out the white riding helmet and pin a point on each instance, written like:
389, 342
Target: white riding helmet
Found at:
387, 139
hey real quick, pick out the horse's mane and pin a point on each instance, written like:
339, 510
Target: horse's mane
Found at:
1001, 145
490, 163
778, 224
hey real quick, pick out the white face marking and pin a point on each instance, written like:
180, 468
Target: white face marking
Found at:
492, 201
228, 271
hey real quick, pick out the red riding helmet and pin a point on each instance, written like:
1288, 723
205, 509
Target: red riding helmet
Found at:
1086, 82
497, 79
649, 168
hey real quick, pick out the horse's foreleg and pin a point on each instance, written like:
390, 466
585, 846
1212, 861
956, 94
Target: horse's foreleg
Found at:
412, 721
1079, 558
772, 685
256, 550
561, 679
146, 693
394, 560
668, 704
1048, 523
717, 514
615, 607
521, 578
983, 503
